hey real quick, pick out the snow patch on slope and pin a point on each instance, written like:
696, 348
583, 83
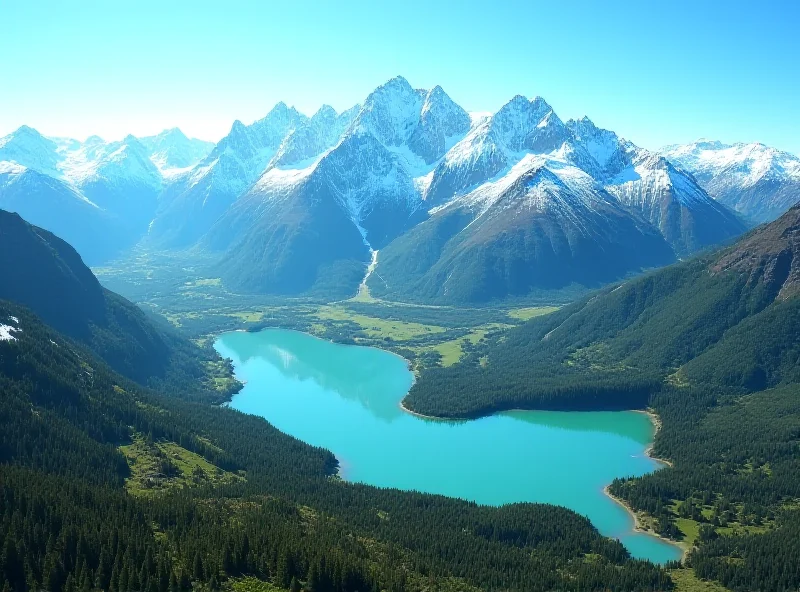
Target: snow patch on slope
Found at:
7, 330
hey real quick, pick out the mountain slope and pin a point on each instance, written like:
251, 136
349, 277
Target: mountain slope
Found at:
533, 231
300, 240
44, 273
758, 181
725, 320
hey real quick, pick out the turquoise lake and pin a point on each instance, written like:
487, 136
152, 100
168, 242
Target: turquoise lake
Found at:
347, 399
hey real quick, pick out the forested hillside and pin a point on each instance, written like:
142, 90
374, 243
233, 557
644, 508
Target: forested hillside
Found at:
44, 273
105, 485
711, 345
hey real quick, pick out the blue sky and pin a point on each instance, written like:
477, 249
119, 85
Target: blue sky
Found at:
655, 72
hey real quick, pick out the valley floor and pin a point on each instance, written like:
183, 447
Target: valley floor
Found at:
202, 308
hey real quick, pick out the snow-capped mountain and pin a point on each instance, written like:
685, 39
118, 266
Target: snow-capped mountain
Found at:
758, 181
173, 153
495, 144
669, 198
372, 174
578, 179
367, 185
199, 197
545, 226
29, 148
313, 137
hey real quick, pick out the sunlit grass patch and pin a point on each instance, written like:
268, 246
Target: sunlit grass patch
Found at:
162, 466
527, 313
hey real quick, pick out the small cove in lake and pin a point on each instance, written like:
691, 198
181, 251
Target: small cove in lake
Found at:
347, 399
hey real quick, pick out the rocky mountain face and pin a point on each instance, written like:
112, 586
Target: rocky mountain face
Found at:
757, 181
770, 256
357, 193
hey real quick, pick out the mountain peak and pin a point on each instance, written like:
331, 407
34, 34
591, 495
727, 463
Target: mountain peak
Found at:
24, 130
325, 111
537, 175
535, 107
438, 100
281, 115
523, 124
390, 112
539, 104
398, 82
173, 133
27, 147
583, 127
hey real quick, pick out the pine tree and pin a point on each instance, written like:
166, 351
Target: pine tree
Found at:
283, 577
197, 567
103, 575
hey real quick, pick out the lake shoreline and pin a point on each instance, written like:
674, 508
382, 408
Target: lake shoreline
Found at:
637, 524
644, 441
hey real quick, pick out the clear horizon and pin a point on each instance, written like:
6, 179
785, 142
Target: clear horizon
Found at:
717, 70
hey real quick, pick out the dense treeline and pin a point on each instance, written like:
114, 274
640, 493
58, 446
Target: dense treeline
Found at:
613, 349
736, 467
68, 523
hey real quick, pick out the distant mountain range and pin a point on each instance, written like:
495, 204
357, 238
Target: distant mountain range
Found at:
99, 196
755, 180
461, 207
